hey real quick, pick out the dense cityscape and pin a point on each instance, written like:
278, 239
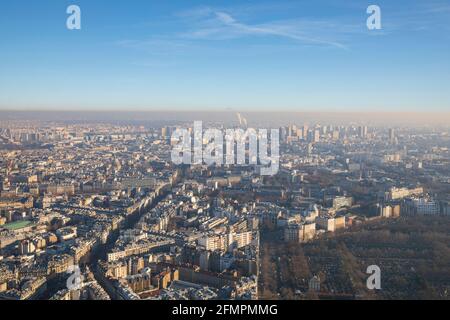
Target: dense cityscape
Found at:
97, 210
224, 159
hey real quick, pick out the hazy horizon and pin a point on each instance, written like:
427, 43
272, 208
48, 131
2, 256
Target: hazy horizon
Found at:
230, 116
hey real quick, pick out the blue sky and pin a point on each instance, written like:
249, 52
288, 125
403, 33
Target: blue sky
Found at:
234, 54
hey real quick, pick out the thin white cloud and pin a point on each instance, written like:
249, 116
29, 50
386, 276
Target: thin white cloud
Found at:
203, 24
273, 30
221, 25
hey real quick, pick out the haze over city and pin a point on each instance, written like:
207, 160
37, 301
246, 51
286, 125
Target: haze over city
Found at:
229, 117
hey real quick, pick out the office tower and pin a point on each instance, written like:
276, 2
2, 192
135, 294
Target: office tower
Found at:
294, 129
283, 134
316, 137
362, 132
391, 135
305, 132
342, 132
336, 135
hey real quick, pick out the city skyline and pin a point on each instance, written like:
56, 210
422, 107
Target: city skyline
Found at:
248, 56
